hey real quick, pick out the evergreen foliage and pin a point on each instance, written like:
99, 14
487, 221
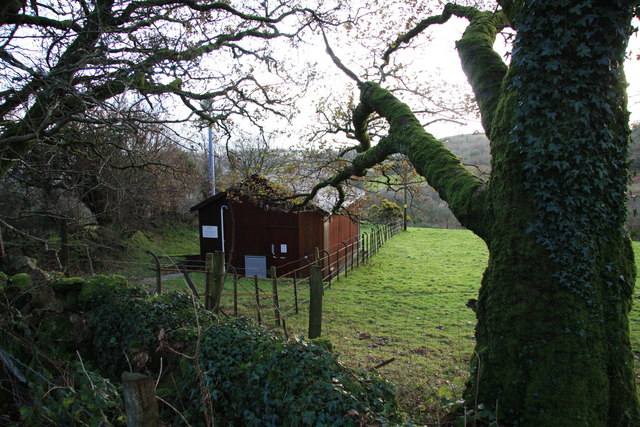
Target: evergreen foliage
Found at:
256, 379
52, 372
581, 188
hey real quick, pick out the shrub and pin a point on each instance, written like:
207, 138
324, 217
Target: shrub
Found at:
250, 376
255, 378
387, 211
134, 329
76, 396
41, 383
101, 286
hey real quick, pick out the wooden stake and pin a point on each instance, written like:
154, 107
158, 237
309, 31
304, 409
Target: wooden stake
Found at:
276, 305
140, 400
315, 303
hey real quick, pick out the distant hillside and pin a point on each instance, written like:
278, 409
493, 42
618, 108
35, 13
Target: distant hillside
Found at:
471, 148
474, 148
427, 209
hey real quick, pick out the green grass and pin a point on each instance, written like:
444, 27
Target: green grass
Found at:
170, 241
408, 303
245, 288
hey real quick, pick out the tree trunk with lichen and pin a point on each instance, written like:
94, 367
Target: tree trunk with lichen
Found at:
553, 345
550, 351
553, 342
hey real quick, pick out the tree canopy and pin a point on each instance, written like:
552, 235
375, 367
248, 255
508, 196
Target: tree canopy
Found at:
62, 60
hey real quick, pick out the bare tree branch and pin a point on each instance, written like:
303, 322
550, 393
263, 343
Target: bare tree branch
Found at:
95, 52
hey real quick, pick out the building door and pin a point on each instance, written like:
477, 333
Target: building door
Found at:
283, 248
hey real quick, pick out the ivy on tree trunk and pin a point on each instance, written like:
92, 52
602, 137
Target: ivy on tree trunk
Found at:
552, 336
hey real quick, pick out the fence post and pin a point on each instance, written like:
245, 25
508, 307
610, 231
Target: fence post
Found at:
346, 259
140, 400
274, 285
158, 272
315, 297
337, 264
373, 244
235, 294
295, 289
354, 246
185, 273
365, 238
374, 241
357, 247
208, 267
218, 278
326, 257
258, 300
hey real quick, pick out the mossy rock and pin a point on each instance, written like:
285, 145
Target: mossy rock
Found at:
21, 280
100, 286
68, 284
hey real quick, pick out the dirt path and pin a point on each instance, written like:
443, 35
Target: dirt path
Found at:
164, 277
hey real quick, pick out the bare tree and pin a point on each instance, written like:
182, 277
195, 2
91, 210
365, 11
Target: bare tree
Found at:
62, 59
255, 154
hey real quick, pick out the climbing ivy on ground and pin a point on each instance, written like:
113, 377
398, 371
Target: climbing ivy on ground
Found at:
571, 127
133, 329
254, 378
80, 397
41, 382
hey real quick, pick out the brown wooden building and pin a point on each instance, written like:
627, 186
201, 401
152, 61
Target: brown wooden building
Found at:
255, 233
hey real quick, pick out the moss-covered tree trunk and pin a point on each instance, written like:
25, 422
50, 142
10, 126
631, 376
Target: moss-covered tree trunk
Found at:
552, 337
553, 344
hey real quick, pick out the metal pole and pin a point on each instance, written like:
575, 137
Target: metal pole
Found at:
404, 210
212, 166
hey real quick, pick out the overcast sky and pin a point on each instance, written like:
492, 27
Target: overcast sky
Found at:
434, 59
440, 57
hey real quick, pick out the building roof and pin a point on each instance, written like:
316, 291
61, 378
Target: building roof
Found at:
257, 188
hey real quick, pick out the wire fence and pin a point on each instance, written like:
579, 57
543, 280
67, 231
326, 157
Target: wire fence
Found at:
404, 333
272, 299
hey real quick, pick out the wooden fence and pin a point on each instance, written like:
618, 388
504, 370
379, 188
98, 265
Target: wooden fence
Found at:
270, 300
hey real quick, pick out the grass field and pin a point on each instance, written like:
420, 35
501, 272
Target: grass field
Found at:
135, 263
407, 304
